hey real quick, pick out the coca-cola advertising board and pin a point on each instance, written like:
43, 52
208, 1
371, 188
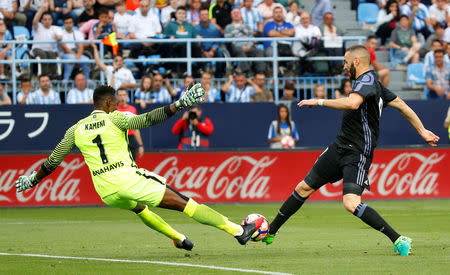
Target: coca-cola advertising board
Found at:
235, 176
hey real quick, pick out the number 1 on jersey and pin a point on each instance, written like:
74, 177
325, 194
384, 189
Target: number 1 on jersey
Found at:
98, 140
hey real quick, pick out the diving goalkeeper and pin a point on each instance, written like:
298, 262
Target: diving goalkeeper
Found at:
101, 138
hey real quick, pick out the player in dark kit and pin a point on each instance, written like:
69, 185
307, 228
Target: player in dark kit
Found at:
351, 154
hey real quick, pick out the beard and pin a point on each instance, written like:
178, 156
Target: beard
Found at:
352, 72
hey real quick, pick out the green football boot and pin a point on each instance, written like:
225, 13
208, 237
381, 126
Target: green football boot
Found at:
269, 239
403, 246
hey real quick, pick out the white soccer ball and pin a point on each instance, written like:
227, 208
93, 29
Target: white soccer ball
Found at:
262, 232
287, 142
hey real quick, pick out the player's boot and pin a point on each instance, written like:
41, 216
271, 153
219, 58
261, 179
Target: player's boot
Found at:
249, 229
185, 244
402, 245
269, 238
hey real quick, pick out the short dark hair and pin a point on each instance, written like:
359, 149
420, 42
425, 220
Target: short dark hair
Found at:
181, 8
436, 40
67, 17
203, 8
24, 79
439, 51
43, 75
103, 11
46, 13
404, 15
439, 25
102, 92
122, 89
289, 86
372, 37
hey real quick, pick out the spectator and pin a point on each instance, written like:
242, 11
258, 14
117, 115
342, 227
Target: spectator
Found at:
220, 14
319, 91
210, 49
278, 28
429, 57
103, 27
252, 17
293, 15
73, 50
267, 10
419, 18
134, 136
29, 9
438, 34
5, 49
143, 94
144, 25
80, 94
438, 77
77, 7
307, 35
282, 127
24, 95
382, 71
447, 122
44, 30
193, 14
117, 75
439, 12
188, 80
181, 29
261, 93
122, 19
60, 9
387, 21
8, 12
238, 29
330, 32
44, 95
193, 130
166, 13
321, 7
105, 4
212, 94
240, 91
89, 12
160, 93
4, 98
288, 92
404, 42
345, 89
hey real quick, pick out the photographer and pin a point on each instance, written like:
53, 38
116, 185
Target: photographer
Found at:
193, 130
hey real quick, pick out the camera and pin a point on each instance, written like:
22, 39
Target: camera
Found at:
192, 115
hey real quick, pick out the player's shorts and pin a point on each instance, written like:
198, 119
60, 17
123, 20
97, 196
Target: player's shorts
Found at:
148, 189
337, 163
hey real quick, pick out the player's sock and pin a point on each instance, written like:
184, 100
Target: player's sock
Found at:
372, 218
205, 215
289, 207
155, 222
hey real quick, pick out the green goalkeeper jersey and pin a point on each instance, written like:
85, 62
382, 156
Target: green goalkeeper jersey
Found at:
102, 139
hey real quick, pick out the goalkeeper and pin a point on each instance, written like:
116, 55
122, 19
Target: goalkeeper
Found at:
101, 138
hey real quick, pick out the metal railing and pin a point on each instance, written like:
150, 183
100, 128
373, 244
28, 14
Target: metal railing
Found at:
189, 60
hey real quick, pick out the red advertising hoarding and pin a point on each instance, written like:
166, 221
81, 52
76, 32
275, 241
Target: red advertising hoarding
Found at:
235, 176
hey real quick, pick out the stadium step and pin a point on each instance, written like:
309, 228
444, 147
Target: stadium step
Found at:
398, 75
382, 56
409, 94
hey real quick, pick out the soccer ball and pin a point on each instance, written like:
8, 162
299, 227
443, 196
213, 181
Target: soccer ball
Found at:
287, 142
262, 232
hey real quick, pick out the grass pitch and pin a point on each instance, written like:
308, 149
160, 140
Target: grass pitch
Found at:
320, 239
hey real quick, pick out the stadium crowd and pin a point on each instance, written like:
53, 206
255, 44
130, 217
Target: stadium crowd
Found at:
415, 32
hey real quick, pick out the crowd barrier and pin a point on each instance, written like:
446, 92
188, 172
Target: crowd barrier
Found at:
229, 177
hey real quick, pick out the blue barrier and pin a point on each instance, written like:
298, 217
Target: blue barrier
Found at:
239, 125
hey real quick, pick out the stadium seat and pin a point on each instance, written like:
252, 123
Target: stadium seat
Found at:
22, 51
368, 13
414, 73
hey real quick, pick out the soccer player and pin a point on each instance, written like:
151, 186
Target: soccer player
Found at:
101, 138
350, 156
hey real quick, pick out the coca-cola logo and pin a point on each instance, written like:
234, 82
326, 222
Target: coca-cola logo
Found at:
236, 176
64, 189
397, 177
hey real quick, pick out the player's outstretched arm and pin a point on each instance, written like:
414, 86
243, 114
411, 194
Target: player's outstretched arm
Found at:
351, 102
61, 150
415, 121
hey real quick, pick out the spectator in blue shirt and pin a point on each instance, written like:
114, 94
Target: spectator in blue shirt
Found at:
240, 91
419, 18
438, 77
80, 94
44, 95
252, 17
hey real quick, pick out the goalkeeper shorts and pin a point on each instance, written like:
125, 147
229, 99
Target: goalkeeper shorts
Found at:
149, 189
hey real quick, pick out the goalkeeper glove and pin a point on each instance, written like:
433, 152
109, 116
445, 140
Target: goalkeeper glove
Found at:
26, 182
194, 94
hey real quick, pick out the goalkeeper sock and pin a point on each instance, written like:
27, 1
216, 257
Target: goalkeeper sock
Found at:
372, 218
289, 207
156, 223
205, 215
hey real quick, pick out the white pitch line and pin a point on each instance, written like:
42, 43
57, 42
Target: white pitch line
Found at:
146, 262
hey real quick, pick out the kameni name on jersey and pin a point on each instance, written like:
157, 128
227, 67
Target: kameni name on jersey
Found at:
108, 168
94, 126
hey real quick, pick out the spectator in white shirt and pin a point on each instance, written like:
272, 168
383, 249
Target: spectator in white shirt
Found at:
44, 95
305, 32
73, 50
117, 75
252, 17
166, 13
44, 30
294, 13
80, 94
144, 25
122, 19
439, 12
241, 91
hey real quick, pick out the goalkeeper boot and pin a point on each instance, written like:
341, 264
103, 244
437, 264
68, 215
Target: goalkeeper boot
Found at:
186, 244
403, 246
269, 238
248, 230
